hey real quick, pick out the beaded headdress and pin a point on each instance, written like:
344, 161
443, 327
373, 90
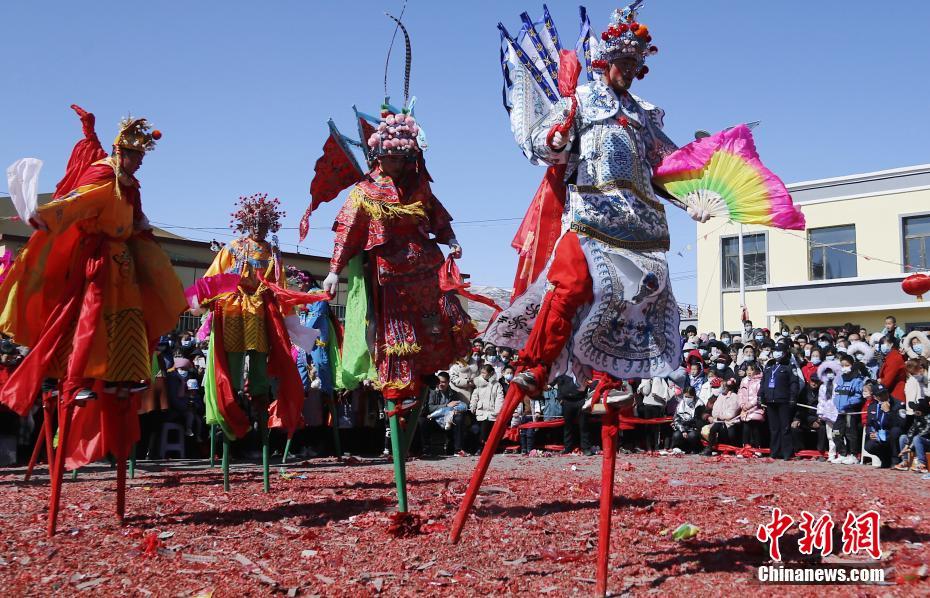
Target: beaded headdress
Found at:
625, 36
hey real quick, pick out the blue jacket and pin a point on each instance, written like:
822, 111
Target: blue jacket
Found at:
317, 317
847, 394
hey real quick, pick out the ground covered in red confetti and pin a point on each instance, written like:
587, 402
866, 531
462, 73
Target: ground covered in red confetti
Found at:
327, 528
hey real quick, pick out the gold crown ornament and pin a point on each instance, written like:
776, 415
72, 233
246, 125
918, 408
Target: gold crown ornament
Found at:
136, 134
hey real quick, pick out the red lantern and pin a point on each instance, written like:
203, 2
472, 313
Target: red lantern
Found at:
917, 285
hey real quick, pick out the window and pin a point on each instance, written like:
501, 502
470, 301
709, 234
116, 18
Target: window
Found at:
916, 239
828, 252
754, 266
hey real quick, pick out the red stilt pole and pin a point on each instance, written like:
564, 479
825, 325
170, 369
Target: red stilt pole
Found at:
609, 429
121, 489
514, 396
50, 404
36, 450
64, 423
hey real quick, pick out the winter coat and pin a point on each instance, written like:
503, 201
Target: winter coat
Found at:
696, 382
440, 398
893, 375
656, 392
686, 416
879, 420
826, 408
809, 370
461, 380
847, 396
780, 384
913, 392
487, 399
727, 409
920, 427
749, 399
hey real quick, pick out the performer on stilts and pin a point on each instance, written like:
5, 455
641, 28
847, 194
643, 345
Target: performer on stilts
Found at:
90, 294
251, 318
388, 234
602, 307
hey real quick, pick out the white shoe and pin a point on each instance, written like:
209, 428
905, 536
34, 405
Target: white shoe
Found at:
677, 451
850, 460
834, 459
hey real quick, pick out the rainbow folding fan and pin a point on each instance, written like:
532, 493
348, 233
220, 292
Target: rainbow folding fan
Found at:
723, 175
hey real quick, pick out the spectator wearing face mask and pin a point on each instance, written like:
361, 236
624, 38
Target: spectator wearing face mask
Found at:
722, 367
706, 393
751, 413
849, 401
696, 377
726, 339
892, 374
813, 364
916, 344
914, 387
747, 355
915, 442
486, 400
765, 356
805, 422
826, 404
725, 422
885, 426
476, 357
825, 342
690, 335
686, 423
506, 377
490, 356
779, 393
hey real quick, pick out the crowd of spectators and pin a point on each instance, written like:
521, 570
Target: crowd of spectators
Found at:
837, 394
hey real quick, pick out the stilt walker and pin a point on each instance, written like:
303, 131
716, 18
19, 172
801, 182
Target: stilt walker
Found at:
90, 294
596, 300
251, 331
387, 246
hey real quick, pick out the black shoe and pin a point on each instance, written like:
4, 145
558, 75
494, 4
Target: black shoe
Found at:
588, 453
708, 452
527, 382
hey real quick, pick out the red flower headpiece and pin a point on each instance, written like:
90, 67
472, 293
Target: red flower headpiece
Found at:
624, 37
256, 212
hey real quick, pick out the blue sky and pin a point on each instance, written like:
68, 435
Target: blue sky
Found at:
243, 90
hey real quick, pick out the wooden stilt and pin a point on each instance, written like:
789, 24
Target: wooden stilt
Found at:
74, 474
608, 468
266, 449
40, 441
121, 489
514, 397
337, 445
64, 421
212, 445
225, 463
132, 462
397, 452
287, 449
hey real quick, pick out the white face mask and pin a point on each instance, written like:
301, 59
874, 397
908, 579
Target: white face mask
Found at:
830, 375
823, 344
778, 354
807, 352
715, 353
841, 347
831, 357
764, 355
759, 338
716, 392
721, 366
815, 360
847, 369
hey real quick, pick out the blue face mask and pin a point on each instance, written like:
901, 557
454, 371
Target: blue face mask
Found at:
831, 357
886, 349
919, 349
815, 360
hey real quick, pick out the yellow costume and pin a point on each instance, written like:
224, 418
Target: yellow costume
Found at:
244, 311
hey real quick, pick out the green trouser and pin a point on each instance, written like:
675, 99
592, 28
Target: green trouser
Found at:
258, 372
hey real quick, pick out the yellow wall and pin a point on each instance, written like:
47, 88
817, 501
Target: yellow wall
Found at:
878, 235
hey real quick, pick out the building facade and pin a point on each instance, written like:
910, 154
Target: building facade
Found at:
865, 234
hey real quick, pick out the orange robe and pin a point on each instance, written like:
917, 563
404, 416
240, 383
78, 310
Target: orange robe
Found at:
142, 296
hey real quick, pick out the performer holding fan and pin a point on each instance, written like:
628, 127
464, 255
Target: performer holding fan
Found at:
602, 307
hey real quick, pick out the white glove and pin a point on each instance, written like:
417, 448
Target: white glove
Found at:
701, 216
559, 141
455, 248
330, 283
